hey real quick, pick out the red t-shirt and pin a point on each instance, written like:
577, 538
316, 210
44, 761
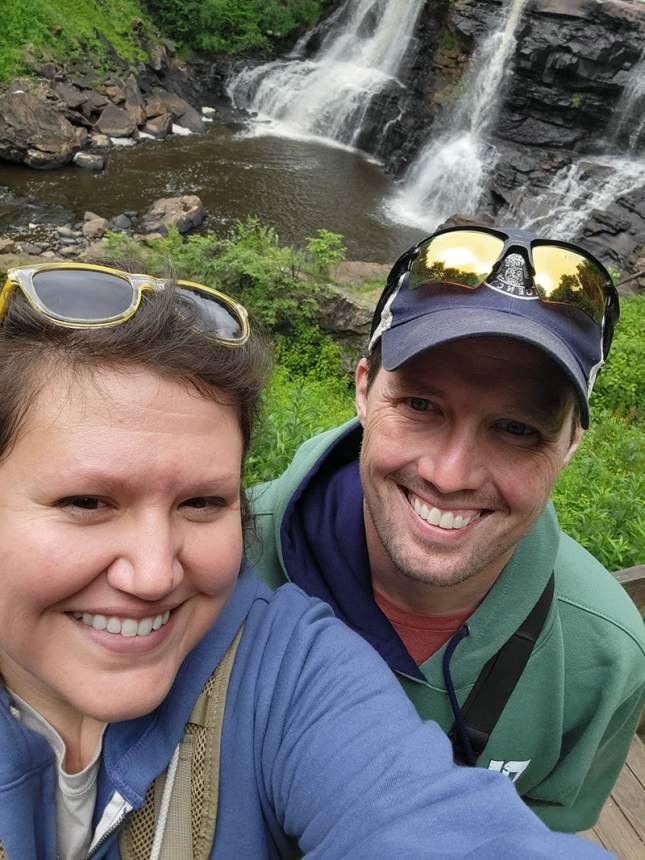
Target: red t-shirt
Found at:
422, 635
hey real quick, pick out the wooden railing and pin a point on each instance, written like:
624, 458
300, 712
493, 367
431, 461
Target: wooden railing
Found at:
633, 581
621, 826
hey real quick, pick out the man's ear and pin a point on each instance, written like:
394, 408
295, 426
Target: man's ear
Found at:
361, 390
575, 441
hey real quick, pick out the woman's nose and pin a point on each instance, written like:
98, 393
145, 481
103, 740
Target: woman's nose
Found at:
148, 563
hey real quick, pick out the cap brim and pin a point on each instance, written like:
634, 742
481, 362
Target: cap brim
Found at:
402, 342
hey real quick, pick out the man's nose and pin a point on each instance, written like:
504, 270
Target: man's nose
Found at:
454, 461
147, 564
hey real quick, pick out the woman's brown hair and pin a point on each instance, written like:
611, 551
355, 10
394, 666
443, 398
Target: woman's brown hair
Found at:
157, 338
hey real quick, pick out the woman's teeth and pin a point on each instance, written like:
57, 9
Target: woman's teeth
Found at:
123, 626
443, 519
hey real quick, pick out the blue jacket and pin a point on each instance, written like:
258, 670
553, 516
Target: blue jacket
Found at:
319, 747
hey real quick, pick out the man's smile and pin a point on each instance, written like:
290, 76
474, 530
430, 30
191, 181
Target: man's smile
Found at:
444, 519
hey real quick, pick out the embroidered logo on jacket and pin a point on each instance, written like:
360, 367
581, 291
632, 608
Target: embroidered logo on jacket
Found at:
512, 769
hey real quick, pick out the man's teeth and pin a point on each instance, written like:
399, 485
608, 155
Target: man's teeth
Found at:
124, 626
443, 519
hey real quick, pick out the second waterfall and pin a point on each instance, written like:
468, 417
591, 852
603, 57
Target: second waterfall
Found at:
328, 95
449, 175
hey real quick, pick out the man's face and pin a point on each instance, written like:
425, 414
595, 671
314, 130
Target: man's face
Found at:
461, 448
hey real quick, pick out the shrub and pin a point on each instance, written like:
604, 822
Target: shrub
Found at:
250, 264
620, 386
599, 496
324, 251
296, 407
231, 26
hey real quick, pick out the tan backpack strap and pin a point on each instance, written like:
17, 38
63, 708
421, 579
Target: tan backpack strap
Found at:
3, 853
191, 819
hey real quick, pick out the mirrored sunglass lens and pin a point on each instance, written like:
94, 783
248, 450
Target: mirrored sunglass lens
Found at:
82, 294
464, 257
562, 275
210, 313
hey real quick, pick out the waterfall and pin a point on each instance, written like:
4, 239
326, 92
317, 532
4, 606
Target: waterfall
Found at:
594, 183
630, 110
450, 173
328, 96
574, 193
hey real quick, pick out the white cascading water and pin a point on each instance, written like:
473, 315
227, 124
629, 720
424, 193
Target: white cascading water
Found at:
593, 183
574, 193
630, 111
450, 174
328, 96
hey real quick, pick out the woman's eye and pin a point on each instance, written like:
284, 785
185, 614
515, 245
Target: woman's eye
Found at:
85, 503
518, 428
204, 502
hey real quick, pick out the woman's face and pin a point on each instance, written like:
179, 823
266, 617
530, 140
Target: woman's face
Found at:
120, 540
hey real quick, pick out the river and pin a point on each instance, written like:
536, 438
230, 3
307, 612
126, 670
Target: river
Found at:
297, 186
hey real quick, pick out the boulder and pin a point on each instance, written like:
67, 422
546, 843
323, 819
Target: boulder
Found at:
115, 93
115, 122
34, 132
346, 316
121, 224
134, 104
192, 120
96, 100
88, 161
159, 126
184, 213
94, 228
7, 246
183, 114
65, 231
157, 105
99, 140
157, 57
70, 95
77, 118
31, 248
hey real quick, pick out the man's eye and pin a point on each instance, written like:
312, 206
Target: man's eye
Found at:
419, 404
518, 428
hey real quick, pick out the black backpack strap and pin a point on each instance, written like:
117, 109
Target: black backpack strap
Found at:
477, 718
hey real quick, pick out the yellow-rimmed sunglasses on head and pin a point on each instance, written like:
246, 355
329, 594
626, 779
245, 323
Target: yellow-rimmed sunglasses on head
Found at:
85, 296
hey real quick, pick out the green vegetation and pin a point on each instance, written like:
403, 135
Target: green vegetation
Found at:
101, 32
309, 390
447, 41
71, 30
234, 25
600, 496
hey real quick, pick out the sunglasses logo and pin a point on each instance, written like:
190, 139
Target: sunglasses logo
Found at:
513, 278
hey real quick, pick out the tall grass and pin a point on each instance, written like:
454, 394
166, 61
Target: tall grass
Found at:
64, 30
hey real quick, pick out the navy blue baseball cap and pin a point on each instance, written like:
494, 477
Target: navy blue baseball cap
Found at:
471, 282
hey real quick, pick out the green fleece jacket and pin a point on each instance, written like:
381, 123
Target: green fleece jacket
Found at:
566, 729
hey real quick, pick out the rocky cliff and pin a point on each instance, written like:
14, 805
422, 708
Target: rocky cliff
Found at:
558, 107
